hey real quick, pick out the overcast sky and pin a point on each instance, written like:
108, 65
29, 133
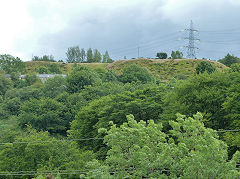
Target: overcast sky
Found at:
38, 27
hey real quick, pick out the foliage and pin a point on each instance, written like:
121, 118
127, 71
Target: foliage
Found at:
31, 79
10, 64
162, 55
9, 129
235, 67
106, 58
89, 56
97, 57
136, 73
5, 84
54, 68
25, 93
29, 155
12, 106
228, 60
142, 150
204, 93
231, 106
110, 75
75, 55
45, 114
101, 72
43, 70
54, 86
176, 55
47, 58
205, 67
144, 104
80, 77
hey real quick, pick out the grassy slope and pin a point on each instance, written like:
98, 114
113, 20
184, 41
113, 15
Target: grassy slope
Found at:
162, 69
165, 69
32, 67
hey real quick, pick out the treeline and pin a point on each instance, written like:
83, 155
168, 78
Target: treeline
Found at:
48, 58
77, 55
174, 55
99, 124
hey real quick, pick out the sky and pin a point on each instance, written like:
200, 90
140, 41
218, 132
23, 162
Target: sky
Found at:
131, 28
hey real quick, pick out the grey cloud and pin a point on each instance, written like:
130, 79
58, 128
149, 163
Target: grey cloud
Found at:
152, 25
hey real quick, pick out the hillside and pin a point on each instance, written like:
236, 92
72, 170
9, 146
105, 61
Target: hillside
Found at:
165, 69
32, 66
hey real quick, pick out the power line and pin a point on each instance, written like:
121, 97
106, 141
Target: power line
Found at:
74, 172
69, 140
48, 141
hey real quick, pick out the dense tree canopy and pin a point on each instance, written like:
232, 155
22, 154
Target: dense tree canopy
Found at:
45, 114
5, 84
142, 150
144, 104
11, 64
162, 55
176, 55
37, 151
204, 93
80, 77
54, 86
228, 60
205, 66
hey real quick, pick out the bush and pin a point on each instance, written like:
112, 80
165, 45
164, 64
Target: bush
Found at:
135, 73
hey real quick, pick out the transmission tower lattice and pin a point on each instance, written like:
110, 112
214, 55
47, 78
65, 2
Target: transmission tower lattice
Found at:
191, 39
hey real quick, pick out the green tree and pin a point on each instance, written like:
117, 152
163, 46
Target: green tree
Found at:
204, 93
83, 55
235, 67
74, 55
97, 56
31, 79
176, 55
36, 58
228, 60
205, 67
144, 104
48, 58
54, 86
45, 114
231, 107
24, 93
12, 106
142, 150
110, 75
10, 64
80, 77
37, 151
5, 84
15, 77
54, 68
43, 70
89, 56
106, 58
136, 73
162, 55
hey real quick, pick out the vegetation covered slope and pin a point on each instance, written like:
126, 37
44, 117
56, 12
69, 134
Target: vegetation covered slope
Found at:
165, 69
